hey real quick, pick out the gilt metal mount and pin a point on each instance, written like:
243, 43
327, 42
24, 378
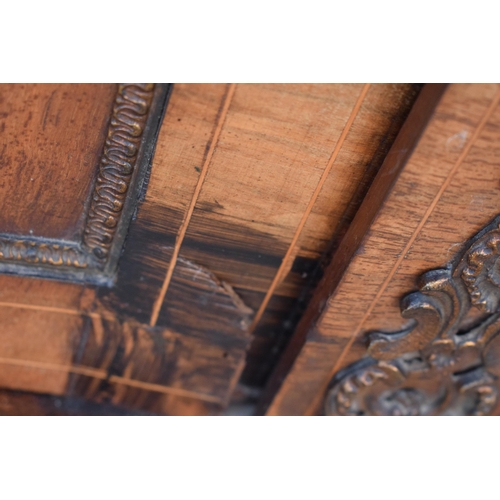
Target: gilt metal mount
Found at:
447, 360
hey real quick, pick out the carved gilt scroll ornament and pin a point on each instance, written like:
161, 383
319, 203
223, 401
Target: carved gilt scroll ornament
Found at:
447, 361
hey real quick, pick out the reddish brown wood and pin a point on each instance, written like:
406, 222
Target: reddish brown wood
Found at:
444, 195
381, 187
251, 187
51, 140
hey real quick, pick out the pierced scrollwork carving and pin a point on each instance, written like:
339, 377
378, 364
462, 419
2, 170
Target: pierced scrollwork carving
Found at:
447, 361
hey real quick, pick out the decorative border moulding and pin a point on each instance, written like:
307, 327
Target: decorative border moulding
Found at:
125, 161
446, 362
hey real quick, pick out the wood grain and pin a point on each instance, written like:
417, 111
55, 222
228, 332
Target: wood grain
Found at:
22, 403
444, 195
251, 189
372, 133
187, 218
36, 336
51, 139
273, 149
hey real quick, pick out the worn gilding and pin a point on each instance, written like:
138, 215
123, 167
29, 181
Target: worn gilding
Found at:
446, 361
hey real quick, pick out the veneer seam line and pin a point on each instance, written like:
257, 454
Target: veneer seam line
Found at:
35, 307
187, 218
289, 253
103, 375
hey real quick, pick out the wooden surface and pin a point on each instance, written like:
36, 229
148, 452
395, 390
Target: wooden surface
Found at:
93, 202
100, 344
51, 139
21, 403
252, 187
446, 193
348, 173
249, 188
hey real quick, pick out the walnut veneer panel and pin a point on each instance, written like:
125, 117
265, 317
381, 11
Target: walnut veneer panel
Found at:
367, 141
36, 346
258, 189
51, 140
74, 159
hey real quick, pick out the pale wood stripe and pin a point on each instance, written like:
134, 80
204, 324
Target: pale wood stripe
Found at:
479, 128
165, 389
185, 223
292, 251
35, 307
59, 310
103, 375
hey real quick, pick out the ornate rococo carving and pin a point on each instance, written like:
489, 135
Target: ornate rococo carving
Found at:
447, 361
